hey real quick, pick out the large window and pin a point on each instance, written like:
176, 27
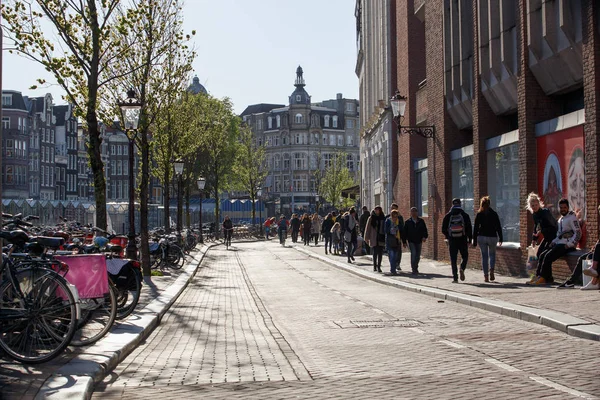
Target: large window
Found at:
5, 122
335, 121
503, 188
299, 118
422, 188
6, 100
462, 180
326, 119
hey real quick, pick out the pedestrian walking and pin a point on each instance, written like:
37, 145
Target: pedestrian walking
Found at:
415, 233
350, 233
326, 232
457, 229
268, 223
362, 223
306, 229
282, 229
295, 226
487, 234
545, 228
375, 236
393, 207
336, 237
393, 240
315, 227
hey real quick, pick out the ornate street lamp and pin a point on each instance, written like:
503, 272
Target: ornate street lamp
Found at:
178, 164
398, 103
201, 184
130, 111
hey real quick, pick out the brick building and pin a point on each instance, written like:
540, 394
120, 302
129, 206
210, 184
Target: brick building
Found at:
511, 90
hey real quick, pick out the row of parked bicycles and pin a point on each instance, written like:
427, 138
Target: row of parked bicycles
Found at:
68, 284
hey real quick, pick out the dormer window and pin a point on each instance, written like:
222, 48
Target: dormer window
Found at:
7, 100
278, 120
299, 118
270, 122
259, 125
327, 121
298, 98
335, 121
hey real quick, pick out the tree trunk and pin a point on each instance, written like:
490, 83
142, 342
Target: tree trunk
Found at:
166, 199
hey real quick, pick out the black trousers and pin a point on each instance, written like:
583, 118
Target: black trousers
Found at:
295, 235
548, 257
327, 237
456, 246
306, 237
377, 256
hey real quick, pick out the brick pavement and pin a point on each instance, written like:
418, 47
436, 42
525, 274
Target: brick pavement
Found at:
19, 381
575, 302
269, 322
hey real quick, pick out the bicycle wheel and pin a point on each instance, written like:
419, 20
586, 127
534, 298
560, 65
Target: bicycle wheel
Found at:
175, 258
37, 327
97, 317
127, 298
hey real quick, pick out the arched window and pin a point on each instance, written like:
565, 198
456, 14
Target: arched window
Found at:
278, 119
299, 118
335, 121
298, 98
270, 122
327, 121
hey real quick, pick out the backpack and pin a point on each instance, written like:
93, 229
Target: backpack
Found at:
456, 227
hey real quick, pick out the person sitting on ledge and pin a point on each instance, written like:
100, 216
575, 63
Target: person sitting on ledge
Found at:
567, 237
575, 278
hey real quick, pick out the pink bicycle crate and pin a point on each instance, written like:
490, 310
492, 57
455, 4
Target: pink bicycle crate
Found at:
88, 274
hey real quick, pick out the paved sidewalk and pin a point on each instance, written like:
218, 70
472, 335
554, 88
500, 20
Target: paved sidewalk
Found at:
65, 374
571, 310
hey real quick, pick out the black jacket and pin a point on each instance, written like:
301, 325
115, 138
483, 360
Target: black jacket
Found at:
487, 223
468, 227
545, 223
295, 224
362, 222
326, 226
415, 232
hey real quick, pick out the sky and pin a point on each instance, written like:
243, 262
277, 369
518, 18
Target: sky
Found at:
248, 50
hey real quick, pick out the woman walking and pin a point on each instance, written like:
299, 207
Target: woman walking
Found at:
336, 237
350, 234
326, 231
306, 229
375, 236
393, 238
315, 227
487, 233
544, 224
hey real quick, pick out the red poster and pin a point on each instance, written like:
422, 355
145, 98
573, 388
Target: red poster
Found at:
561, 170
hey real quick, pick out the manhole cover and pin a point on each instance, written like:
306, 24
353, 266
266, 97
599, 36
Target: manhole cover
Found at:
378, 323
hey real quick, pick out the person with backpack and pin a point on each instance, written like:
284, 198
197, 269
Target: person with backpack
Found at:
457, 229
393, 240
282, 226
487, 233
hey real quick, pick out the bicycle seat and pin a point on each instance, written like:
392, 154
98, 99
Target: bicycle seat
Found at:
34, 248
61, 234
114, 248
49, 242
16, 237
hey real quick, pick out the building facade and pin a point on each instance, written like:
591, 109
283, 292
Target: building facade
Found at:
302, 138
66, 133
376, 71
15, 146
511, 88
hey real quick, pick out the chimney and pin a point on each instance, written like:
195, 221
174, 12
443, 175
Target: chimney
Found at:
339, 96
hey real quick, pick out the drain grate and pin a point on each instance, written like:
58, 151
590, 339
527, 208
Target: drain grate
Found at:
378, 323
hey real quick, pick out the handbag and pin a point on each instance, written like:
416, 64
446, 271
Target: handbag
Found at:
587, 263
532, 258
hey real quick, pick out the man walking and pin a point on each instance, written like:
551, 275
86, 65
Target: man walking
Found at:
457, 229
415, 233
394, 207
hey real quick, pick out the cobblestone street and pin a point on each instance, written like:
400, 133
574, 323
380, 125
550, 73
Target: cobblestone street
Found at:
262, 321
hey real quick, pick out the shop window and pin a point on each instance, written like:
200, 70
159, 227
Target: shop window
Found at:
422, 192
462, 183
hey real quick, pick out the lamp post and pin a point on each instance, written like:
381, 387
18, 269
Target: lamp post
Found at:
178, 164
398, 103
201, 183
259, 194
130, 110
317, 204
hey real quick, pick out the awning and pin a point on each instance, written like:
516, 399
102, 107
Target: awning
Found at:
352, 192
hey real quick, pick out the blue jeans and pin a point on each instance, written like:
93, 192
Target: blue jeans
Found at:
487, 245
393, 255
415, 255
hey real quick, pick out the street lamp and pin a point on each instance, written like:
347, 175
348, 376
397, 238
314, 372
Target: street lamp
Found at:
131, 110
201, 183
317, 204
398, 103
178, 164
259, 194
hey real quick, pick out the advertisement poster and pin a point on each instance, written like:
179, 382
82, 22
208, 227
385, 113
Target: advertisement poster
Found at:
561, 171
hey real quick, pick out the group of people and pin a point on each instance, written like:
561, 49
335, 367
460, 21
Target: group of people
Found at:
391, 233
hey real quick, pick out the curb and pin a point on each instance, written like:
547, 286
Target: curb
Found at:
563, 322
76, 379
